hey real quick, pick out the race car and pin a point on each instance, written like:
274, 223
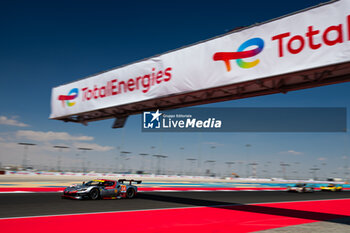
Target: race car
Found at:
102, 189
332, 188
301, 188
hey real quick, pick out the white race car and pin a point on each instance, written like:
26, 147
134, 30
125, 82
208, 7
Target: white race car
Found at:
301, 188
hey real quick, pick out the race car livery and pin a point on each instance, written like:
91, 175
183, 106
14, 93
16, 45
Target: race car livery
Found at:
102, 189
332, 188
301, 188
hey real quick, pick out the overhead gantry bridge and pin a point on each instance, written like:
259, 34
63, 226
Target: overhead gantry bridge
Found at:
293, 52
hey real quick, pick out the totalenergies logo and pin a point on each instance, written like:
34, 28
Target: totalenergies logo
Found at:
241, 54
66, 99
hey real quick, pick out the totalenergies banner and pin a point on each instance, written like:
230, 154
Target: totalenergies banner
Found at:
314, 38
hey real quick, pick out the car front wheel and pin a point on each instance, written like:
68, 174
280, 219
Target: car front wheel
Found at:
94, 194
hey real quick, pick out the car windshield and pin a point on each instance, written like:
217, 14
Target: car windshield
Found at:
94, 183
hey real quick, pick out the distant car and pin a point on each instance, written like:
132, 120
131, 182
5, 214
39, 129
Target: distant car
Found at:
332, 188
102, 189
301, 188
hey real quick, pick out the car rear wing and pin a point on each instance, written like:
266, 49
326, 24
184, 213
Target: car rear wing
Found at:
130, 181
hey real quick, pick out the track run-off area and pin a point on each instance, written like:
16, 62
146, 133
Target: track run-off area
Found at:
191, 211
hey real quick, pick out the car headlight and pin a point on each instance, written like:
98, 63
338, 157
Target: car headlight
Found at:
82, 189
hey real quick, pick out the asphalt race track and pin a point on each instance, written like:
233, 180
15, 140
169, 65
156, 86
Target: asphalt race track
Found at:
38, 204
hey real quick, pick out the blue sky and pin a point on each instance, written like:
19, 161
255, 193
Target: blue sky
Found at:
48, 43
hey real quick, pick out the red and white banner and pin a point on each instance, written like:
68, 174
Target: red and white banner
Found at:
314, 38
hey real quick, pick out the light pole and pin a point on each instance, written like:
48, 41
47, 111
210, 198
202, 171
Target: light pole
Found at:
164, 165
229, 167
159, 157
128, 171
241, 168
84, 149
116, 160
212, 156
345, 167
335, 174
265, 172
248, 159
254, 164
88, 168
77, 155
59, 156
324, 170
284, 165
314, 170
191, 161
297, 169
143, 162
267, 165
211, 164
25, 153
199, 161
153, 149
124, 153
182, 170
295, 174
